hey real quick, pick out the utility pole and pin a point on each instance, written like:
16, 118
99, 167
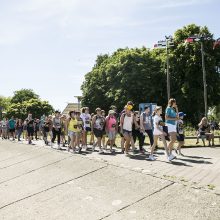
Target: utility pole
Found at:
167, 43
201, 38
168, 71
204, 78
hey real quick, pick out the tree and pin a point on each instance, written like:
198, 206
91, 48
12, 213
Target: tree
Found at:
4, 102
34, 106
128, 74
186, 72
139, 75
24, 95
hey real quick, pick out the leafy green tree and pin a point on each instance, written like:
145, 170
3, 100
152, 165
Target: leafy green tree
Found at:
4, 102
128, 74
139, 75
23, 95
34, 106
187, 76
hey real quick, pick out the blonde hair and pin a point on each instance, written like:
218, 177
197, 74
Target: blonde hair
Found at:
171, 101
202, 121
157, 108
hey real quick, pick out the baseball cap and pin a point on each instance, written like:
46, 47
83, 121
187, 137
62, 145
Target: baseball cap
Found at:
111, 112
181, 114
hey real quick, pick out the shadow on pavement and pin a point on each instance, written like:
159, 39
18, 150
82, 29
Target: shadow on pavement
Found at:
195, 161
197, 157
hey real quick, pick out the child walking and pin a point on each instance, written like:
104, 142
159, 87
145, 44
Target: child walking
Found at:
180, 133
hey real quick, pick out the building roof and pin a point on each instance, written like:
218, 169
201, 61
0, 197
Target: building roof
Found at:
71, 107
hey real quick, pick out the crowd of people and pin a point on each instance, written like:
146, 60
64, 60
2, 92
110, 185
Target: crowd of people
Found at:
71, 131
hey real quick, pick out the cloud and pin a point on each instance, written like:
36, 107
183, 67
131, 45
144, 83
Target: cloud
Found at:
78, 18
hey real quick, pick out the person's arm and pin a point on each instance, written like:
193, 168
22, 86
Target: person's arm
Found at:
121, 122
159, 128
93, 122
116, 125
142, 122
135, 122
106, 124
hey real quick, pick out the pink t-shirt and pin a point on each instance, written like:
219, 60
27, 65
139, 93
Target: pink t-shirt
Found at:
112, 124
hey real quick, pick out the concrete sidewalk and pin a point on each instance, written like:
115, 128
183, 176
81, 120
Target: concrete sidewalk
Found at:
38, 182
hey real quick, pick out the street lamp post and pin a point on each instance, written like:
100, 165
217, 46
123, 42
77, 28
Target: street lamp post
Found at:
204, 78
79, 98
201, 38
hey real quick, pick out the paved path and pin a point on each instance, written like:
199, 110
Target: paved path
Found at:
38, 182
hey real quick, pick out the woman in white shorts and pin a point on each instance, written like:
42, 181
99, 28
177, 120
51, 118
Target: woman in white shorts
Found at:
158, 132
172, 117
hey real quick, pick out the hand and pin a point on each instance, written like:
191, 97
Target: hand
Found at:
164, 133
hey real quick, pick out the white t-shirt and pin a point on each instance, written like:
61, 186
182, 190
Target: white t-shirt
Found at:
3, 124
156, 120
86, 120
128, 121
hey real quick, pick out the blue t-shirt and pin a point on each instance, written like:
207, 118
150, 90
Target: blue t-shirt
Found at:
11, 124
170, 112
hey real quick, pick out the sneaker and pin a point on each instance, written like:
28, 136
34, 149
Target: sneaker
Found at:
59, 148
93, 148
100, 151
151, 157
171, 157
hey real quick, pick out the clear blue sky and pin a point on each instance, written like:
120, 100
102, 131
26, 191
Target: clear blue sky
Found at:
49, 45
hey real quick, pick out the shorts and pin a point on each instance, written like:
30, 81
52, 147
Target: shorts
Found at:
127, 133
78, 134
180, 137
171, 128
98, 133
12, 130
111, 135
30, 132
72, 133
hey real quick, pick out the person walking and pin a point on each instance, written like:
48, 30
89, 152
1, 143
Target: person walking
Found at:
159, 133
111, 127
98, 123
171, 116
146, 124
56, 129
126, 122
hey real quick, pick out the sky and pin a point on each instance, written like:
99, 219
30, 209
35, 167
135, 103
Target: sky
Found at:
49, 45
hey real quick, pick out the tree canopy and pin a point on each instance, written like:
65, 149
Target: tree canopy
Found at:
138, 74
23, 102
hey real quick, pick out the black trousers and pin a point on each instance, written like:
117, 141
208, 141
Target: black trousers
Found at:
138, 135
56, 133
150, 135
